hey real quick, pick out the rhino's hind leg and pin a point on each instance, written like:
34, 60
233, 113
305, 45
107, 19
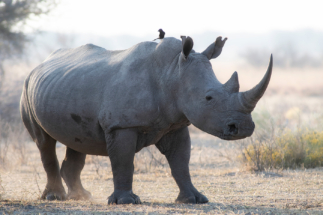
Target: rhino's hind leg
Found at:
54, 189
121, 146
176, 147
71, 171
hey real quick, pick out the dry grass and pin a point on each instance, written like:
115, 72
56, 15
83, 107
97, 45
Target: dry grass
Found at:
13, 149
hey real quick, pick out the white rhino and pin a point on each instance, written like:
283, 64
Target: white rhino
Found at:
114, 103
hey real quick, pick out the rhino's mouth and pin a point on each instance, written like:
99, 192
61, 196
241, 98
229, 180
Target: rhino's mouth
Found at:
230, 137
227, 135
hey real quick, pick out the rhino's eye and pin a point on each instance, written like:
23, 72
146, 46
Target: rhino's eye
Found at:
208, 98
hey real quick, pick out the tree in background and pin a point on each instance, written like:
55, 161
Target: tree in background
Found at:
13, 17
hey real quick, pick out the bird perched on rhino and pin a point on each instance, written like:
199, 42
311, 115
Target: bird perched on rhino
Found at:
161, 34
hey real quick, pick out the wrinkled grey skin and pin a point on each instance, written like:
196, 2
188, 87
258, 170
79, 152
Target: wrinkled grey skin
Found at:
114, 103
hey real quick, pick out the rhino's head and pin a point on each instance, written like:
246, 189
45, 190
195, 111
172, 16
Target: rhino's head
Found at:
218, 109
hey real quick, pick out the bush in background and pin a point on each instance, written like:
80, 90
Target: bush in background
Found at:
274, 146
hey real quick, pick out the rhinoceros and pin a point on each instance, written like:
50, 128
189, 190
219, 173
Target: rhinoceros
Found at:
115, 103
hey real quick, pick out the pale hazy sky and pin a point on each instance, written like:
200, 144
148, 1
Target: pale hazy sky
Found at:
141, 17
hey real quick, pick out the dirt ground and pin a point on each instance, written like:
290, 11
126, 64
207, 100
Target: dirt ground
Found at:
229, 188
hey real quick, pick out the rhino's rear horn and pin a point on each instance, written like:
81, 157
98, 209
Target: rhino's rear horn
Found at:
250, 98
232, 85
187, 46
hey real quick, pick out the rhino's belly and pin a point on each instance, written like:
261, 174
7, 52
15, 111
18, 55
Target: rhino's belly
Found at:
81, 142
81, 132
86, 145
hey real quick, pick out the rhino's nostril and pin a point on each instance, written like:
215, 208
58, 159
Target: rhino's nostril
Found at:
233, 129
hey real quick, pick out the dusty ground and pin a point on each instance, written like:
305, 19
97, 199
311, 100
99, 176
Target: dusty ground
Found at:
229, 188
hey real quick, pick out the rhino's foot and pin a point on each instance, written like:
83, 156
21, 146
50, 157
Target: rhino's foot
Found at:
53, 194
194, 197
81, 194
123, 197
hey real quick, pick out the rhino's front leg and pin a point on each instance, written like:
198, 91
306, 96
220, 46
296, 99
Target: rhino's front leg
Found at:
121, 147
176, 147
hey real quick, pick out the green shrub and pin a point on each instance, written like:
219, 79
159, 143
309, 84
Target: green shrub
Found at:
313, 149
289, 150
282, 142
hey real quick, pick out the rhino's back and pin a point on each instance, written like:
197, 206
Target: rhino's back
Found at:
69, 91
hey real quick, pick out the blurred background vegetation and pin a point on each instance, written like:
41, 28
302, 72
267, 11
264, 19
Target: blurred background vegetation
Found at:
13, 17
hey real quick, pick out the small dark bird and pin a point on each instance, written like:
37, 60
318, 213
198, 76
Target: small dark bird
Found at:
161, 34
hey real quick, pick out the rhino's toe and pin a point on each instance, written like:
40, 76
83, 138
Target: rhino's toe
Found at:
54, 193
54, 196
79, 195
192, 198
124, 197
134, 199
201, 199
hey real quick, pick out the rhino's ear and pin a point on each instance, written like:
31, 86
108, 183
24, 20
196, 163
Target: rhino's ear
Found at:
215, 49
187, 44
232, 85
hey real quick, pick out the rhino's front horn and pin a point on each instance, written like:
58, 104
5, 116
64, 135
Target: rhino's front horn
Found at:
250, 98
